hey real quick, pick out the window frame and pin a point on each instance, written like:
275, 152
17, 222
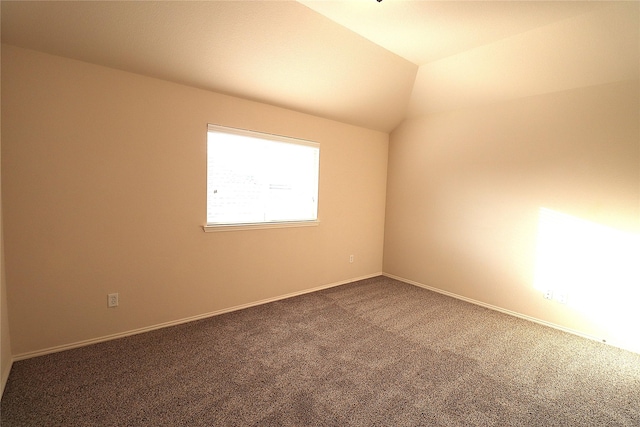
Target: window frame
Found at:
214, 227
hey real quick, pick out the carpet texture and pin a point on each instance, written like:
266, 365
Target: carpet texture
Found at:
376, 352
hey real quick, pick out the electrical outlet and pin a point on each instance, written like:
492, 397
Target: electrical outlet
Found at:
562, 298
112, 300
350, 258
548, 294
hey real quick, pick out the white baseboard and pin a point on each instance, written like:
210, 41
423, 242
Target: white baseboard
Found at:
83, 343
28, 355
511, 313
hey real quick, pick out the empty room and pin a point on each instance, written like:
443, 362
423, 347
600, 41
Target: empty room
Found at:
320, 213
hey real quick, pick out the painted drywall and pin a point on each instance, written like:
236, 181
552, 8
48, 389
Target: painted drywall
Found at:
6, 358
104, 184
5, 338
276, 52
593, 48
469, 191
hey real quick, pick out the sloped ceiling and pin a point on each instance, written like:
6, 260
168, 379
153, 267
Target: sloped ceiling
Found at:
281, 53
599, 47
425, 31
362, 62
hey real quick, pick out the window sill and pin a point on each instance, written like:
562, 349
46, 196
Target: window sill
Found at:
209, 228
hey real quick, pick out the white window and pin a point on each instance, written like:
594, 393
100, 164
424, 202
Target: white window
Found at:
256, 178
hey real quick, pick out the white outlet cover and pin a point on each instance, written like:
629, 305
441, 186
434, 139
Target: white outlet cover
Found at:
112, 300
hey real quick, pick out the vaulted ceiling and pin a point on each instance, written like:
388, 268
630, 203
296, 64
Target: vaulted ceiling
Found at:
362, 62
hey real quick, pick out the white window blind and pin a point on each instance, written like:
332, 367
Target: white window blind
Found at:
255, 178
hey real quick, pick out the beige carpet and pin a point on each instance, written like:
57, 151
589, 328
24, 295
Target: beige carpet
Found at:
372, 353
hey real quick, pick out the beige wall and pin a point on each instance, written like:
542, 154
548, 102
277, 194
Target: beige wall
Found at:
464, 194
104, 191
5, 340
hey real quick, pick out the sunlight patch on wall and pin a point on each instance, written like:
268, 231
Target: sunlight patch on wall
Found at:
597, 269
